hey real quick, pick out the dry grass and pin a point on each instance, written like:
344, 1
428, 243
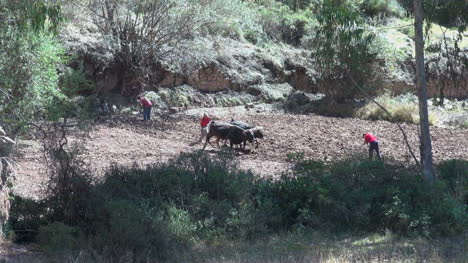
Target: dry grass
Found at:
300, 247
401, 111
319, 248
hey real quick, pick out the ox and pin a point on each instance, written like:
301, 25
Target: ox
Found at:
255, 131
220, 130
226, 131
239, 136
242, 124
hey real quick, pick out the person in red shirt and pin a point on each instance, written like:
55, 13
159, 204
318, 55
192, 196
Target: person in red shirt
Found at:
147, 105
373, 145
205, 127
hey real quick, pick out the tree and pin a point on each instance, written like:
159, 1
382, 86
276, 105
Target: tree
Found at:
344, 57
28, 58
142, 32
24, 73
450, 65
297, 4
425, 137
342, 49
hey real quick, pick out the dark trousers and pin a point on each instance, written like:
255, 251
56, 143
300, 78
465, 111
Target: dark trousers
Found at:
147, 113
374, 146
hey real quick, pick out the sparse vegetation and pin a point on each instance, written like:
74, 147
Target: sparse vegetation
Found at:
403, 108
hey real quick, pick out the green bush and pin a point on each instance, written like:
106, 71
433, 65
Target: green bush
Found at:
455, 174
233, 19
133, 213
58, 237
76, 82
280, 23
28, 76
153, 210
382, 7
26, 216
373, 196
343, 52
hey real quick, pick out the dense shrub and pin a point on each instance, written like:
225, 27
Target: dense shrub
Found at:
281, 23
234, 19
344, 53
29, 89
363, 196
382, 7
76, 82
58, 237
455, 174
135, 214
26, 216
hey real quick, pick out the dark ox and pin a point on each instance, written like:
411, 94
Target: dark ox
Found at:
255, 131
220, 130
234, 134
242, 124
239, 136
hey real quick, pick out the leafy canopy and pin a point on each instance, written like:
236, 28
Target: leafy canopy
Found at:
29, 55
342, 46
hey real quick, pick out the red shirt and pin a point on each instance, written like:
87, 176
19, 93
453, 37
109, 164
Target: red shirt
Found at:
204, 121
368, 138
145, 102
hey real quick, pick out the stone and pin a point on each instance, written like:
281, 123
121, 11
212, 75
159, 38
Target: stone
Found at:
249, 106
173, 109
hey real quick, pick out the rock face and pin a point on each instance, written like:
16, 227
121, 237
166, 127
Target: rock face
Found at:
209, 79
459, 92
210, 65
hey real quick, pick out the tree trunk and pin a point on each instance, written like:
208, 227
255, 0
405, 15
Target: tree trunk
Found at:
425, 140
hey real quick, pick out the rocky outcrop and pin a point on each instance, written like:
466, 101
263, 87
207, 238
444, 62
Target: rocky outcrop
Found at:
433, 89
215, 64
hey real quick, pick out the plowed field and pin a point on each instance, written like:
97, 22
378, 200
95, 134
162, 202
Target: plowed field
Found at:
126, 141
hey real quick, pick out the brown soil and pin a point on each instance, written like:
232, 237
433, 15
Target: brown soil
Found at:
128, 141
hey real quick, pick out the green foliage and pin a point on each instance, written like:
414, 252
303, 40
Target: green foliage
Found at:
342, 48
373, 196
382, 7
448, 13
135, 213
28, 61
281, 23
455, 174
76, 82
58, 237
234, 19
25, 219
32, 15
28, 76
297, 4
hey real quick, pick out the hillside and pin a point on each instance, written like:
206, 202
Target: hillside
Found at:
264, 71
85, 179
